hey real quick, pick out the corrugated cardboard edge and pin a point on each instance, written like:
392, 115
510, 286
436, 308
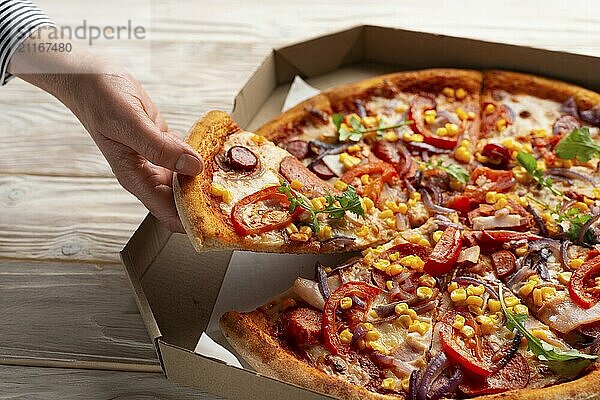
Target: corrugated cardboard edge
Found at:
150, 236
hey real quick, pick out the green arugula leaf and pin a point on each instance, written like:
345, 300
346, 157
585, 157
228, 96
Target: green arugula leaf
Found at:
566, 363
348, 201
356, 130
455, 171
529, 162
578, 144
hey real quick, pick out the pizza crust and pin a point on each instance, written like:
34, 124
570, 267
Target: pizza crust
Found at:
250, 336
518, 83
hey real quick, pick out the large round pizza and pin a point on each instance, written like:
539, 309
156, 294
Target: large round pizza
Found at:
473, 197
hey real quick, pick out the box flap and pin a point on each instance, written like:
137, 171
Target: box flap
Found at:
191, 369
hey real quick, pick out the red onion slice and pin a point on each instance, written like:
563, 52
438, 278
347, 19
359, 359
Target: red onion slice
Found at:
434, 207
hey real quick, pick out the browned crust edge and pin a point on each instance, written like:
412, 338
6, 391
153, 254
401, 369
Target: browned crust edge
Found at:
519, 83
427, 80
199, 212
249, 335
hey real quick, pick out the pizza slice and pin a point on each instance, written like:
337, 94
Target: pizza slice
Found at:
254, 195
357, 330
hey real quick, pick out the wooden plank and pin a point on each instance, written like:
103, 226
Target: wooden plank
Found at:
34, 383
72, 313
63, 218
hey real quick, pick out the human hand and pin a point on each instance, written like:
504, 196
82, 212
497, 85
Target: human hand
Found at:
123, 121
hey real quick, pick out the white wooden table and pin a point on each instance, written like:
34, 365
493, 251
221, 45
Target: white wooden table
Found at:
64, 299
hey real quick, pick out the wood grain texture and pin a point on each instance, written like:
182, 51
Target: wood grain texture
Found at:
34, 383
64, 218
73, 312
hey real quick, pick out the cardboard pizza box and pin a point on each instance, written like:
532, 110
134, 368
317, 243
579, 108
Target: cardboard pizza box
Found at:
181, 293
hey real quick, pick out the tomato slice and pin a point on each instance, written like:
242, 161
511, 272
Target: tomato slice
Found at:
445, 253
460, 203
331, 338
495, 180
468, 356
418, 106
372, 190
271, 195
582, 286
515, 375
489, 237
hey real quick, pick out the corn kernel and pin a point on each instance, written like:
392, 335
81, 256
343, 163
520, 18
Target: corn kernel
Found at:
494, 305
461, 93
369, 121
448, 92
355, 148
548, 292
596, 193
413, 261
401, 308
430, 112
295, 184
459, 294
471, 115
394, 256
540, 334
589, 202
537, 297
318, 203
373, 313
526, 289
381, 264
325, 232
462, 114
441, 131
345, 303
365, 179
522, 250
372, 335
402, 208
500, 203
346, 336
452, 129
475, 290
362, 231
424, 292
475, 310
437, 235
405, 384
394, 269
291, 228
420, 327
490, 197
474, 301
459, 322
414, 137
521, 309
388, 384
501, 124
405, 321
258, 139
467, 331
429, 119
391, 136
452, 286
341, 185
391, 222
368, 203
348, 161
368, 326
462, 154
424, 242
389, 285
565, 277
511, 301
299, 237
427, 280
386, 214
415, 196
576, 263
490, 108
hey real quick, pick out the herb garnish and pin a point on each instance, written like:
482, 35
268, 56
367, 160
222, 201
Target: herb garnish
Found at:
529, 162
578, 144
336, 206
566, 363
356, 130
453, 170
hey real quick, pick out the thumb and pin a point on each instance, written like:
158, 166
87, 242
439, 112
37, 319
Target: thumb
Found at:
164, 148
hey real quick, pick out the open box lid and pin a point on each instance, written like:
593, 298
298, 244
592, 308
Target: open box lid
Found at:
176, 288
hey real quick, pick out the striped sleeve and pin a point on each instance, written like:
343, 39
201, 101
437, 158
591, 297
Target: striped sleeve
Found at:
18, 20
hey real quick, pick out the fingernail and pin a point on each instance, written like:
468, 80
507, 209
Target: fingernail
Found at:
188, 165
